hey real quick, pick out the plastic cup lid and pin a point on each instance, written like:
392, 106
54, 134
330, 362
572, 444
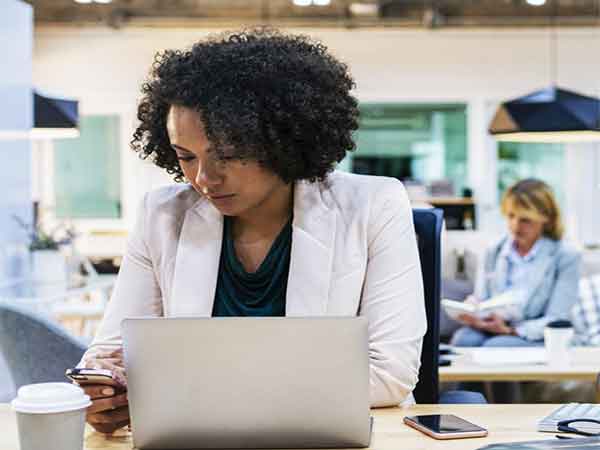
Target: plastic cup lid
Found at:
46, 398
559, 324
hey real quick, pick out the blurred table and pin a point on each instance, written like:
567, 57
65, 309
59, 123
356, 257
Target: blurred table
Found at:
78, 307
584, 366
505, 423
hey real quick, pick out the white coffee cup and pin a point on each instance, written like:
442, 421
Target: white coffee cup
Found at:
51, 416
557, 340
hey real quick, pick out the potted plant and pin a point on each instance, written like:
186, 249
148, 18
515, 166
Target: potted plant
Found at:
47, 262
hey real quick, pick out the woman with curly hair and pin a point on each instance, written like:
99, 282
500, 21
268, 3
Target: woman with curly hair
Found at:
253, 125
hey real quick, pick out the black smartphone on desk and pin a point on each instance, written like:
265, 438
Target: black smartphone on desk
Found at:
445, 426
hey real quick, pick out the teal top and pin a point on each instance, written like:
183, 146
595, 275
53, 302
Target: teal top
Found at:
261, 293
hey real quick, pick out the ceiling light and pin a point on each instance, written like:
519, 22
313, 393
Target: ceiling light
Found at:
53, 118
536, 2
103, 1
83, 1
364, 9
549, 115
310, 2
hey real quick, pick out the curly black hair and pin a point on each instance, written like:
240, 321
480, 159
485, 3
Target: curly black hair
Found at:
281, 100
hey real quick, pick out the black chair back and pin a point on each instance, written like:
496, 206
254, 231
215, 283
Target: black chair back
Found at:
428, 227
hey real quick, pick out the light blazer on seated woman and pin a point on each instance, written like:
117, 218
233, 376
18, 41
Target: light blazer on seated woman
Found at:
533, 263
353, 252
255, 123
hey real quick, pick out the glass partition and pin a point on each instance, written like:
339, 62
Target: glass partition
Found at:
532, 160
423, 143
87, 171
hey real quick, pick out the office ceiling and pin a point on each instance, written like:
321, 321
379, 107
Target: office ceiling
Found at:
337, 13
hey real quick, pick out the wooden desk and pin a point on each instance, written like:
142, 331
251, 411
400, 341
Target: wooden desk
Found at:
504, 422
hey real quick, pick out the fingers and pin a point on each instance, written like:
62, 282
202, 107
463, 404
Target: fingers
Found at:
495, 317
102, 357
113, 417
467, 319
477, 323
104, 354
105, 363
486, 327
108, 428
96, 391
108, 404
493, 320
109, 417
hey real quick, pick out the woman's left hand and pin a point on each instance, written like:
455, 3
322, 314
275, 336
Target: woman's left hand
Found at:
496, 325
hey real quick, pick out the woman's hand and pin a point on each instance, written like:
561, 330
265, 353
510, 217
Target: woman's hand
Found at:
496, 325
109, 410
493, 324
469, 319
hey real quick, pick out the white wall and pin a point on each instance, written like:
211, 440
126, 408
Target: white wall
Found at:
16, 38
104, 69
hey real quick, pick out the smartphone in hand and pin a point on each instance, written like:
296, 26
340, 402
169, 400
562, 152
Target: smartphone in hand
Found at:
92, 376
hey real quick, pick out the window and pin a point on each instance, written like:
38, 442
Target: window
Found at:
87, 171
546, 162
426, 143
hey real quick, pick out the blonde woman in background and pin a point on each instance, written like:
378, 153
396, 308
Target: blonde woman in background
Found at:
532, 264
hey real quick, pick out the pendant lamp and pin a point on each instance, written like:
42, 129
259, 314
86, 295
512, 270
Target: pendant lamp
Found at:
53, 118
548, 115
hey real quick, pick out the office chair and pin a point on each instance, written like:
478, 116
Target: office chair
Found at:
428, 228
35, 349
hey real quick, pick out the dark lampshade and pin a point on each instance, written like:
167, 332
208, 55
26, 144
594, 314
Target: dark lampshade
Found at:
548, 115
54, 117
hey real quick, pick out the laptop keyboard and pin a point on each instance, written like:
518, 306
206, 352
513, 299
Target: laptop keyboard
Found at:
569, 411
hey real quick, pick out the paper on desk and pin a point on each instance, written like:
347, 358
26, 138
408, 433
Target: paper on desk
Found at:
508, 356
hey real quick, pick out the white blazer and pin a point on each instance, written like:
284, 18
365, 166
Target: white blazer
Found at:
354, 252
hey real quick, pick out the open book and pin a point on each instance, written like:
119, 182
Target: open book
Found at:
505, 305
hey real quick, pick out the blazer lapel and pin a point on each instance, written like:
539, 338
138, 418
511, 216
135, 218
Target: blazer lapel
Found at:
313, 235
501, 270
544, 259
199, 250
197, 261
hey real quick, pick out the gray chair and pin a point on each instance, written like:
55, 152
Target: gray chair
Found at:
35, 349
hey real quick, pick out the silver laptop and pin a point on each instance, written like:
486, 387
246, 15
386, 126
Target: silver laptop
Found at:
261, 382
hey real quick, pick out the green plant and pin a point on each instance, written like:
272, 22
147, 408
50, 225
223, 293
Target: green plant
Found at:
39, 239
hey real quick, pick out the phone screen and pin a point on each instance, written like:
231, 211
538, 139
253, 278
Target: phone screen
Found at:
445, 423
